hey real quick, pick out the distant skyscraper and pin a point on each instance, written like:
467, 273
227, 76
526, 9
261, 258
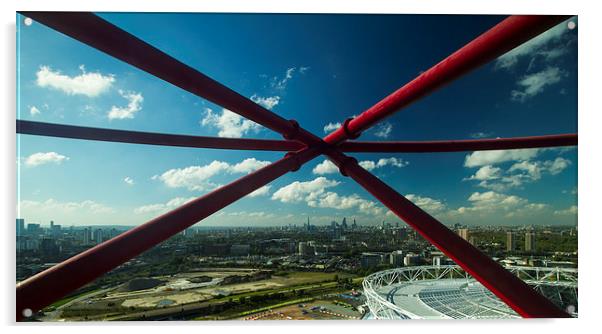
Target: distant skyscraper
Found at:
20, 227
87, 237
33, 229
98, 235
510, 241
396, 258
463, 233
344, 223
412, 259
370, 260
306, 248
530, 241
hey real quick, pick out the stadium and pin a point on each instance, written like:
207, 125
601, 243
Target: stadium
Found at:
448, 292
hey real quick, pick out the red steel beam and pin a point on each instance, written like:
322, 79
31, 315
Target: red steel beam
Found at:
512, 290
459, 145
46, 287
500, 39
106, 37
110, 39
150, 138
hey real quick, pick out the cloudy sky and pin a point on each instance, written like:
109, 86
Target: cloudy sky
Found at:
319, 70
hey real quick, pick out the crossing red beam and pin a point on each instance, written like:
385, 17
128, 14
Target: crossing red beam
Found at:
459, 145
150, 138
500, 39
98, 33
503, 37
512, 290
34, 293
49, 285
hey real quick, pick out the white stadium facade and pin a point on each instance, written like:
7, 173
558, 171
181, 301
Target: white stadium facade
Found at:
448, 292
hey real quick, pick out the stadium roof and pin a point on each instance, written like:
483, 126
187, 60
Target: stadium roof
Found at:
448, 292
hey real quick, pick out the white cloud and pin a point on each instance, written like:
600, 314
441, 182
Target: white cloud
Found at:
248, 165
491, 202
331, 127
491, 205
134, 105
34, 111
56, 207
263, 191
333, 200
193, 177
163, 207
535, 83
280, 83
383, 130
557, 166
485, 173
266, 102
531, 169
383, 162
229, 124
519, 173
325, 167
198, 177
42, 158
314, 194
544, 45
430, 205
129, 181
396, 162
478, 135
89, 84
252, 214
300, 191
567, 212
482, 158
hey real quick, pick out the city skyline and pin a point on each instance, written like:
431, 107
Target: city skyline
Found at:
529, 91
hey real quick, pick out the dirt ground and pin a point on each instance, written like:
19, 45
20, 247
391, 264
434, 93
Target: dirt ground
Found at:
166, 295
327, 311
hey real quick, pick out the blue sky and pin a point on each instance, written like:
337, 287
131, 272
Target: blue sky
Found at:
319, 70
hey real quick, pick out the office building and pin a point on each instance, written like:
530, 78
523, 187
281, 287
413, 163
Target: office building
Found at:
396, 258
34, 229
510, 241
530, 241
463, 233
306, 249
20, 227
240, 249
370, 260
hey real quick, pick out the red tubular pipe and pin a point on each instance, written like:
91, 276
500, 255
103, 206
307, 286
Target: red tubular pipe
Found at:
500, 39
110, 39
517, 294
48, 286
150, 138
459, 145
